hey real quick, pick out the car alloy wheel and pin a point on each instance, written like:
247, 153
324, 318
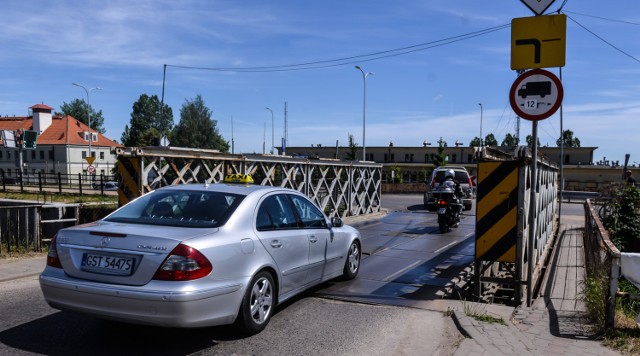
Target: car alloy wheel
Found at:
352, 264
257, 304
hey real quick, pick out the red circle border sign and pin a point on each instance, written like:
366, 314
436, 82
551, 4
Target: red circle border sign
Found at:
520, 79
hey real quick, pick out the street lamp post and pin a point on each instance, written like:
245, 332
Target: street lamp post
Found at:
364, 110
87, 91
481, 145
272, 131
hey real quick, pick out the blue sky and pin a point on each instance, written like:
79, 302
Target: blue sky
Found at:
122, 47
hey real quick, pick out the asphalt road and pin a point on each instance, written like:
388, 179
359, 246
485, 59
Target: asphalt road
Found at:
315, 323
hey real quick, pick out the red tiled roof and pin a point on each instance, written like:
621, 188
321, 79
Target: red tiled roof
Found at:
41, 106
64, 130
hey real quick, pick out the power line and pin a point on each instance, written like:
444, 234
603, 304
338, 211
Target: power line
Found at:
352, 59
604, 18
603, 40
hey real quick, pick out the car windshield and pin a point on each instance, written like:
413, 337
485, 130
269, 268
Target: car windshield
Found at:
185, 208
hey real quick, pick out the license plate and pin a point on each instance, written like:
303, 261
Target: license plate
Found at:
108, 264
442, 210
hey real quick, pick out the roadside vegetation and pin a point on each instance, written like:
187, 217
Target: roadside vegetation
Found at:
58, 198
622, 220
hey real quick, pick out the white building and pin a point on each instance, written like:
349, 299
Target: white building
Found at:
62, 146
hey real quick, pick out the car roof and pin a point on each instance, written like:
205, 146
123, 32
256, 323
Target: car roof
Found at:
242, 189
441, 168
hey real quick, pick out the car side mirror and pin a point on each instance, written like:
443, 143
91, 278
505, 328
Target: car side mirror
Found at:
336, 222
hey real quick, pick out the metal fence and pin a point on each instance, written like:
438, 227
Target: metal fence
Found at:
29, 227
56, 182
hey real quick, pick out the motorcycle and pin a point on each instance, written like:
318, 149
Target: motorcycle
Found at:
449, 207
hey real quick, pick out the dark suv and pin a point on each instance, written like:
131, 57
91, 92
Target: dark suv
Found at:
461, 176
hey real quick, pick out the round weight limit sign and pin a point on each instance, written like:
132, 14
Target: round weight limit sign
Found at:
536, 95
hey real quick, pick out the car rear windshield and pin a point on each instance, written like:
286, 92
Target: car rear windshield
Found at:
185, 208
460, 177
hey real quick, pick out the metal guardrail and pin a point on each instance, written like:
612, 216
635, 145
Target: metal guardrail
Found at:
570, 196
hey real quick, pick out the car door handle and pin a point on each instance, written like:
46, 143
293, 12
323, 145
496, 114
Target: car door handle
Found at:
313, 239
276, 244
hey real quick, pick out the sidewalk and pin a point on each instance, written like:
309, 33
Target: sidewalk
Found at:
556, 323
14, 268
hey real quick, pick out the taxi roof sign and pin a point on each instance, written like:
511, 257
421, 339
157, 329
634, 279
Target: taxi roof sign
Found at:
238, 178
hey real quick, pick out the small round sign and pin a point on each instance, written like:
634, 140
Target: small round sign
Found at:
91, 169
536, 95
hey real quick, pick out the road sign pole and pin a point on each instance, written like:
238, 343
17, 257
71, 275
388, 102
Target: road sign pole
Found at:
532, 211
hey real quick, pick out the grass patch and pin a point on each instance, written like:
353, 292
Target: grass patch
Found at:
50, 197
479, 312
625, 337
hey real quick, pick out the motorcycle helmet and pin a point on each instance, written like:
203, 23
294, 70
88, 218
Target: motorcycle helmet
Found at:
449, 174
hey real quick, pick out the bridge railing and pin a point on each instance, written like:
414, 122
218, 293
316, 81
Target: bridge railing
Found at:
339, 188
512, 241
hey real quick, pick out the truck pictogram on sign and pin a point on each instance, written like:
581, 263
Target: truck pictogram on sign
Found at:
541, 89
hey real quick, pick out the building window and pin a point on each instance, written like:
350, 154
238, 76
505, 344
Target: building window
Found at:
1, 154
94, 137
51, 154
411, 158
41, 154
102, 155
406, 157
84, 154
386, 157
566, 159
454, 158
33, 154
470, 158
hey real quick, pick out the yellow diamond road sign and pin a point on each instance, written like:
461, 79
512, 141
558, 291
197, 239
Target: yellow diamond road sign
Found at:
538, 42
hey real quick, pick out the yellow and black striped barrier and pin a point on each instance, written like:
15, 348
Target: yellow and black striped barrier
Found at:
497, 202
129, 171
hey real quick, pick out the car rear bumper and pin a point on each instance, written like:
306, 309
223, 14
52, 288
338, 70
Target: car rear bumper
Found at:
217, 305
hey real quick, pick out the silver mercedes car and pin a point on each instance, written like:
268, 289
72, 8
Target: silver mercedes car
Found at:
199, 255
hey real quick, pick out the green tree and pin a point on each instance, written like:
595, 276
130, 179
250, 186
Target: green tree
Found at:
78, 109
353, 149
623, 220
509, 140
530, 141
490, 140
440, 159
569, 140
196, 129
149, 122
475, 142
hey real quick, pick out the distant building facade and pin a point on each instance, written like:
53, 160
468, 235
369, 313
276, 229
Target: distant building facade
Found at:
62, 146
414, 164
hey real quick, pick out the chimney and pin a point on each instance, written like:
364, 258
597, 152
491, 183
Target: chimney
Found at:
41, 117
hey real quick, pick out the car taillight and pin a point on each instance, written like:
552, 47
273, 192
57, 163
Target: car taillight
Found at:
52, 255
184, 264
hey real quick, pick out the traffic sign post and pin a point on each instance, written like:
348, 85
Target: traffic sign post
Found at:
536, 95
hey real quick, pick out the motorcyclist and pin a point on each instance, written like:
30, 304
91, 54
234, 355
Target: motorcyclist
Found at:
450, 182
